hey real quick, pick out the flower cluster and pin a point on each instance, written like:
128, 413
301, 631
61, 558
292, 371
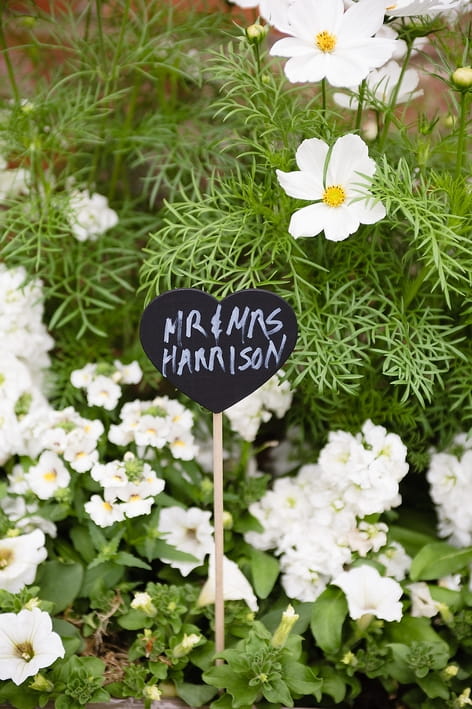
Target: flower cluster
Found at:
90, 216
273, 397
450, 480
129, 485
315, 520
24, 359
102, 380
155, 424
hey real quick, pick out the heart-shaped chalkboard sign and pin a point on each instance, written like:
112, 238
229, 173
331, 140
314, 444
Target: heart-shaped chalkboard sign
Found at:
218, 352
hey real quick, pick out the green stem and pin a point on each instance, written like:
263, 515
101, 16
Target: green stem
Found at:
394, 96
118, 155
360, 104
323, 96
413, 287
98, 7
11, 73
462, 134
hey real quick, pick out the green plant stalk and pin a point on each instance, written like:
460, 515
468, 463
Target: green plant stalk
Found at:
10, 72
118, 155
394, 96
462, 134
323, 96
360, 105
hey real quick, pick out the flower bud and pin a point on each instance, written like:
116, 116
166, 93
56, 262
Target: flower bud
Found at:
152, 691
462, 77
227, 520
289, 618
187, 643
143, 602
41, 683
256, 33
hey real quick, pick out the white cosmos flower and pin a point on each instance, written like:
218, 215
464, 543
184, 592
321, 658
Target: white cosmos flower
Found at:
328, 42
235, 585
369, 593
381, 83
404, 8
27, 643
337, 181
19, 559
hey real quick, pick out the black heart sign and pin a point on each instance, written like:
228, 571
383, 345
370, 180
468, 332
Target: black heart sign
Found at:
218, 352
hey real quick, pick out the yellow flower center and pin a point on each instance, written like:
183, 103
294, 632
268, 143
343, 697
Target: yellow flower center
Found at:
50, 476
107, 507
334, 196
6, 557
325, 41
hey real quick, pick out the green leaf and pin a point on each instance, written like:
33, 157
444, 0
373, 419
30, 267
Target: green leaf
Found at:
71, 638
265, 570
301, 679
59, 583
327, 618
224, 677
433, 686
277, 692
83, 543
439, 559
126, 559
195, 695
134, 620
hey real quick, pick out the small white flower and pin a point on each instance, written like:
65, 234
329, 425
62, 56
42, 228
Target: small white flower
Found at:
338, 184
369, 593
329, 43
103, 512
19, 559
103, 391
90, 215
48, 475
235, 585
27, 643
189, 531
128, 373
135, 505
422, 604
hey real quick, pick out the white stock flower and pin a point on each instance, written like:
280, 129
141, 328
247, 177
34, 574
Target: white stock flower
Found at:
235, 585
48, 475
337, 181
90, 216
327, 42
369, 593
19, 559
189, 531
27, 643
380, 85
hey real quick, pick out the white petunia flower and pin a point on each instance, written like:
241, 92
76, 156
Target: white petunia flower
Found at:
189, 531
328, 42
19, 559
27, 643
369, 593
48, 475
90, 215
235, 585
337, 181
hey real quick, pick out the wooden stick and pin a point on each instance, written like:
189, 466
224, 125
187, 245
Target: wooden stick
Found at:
219, 531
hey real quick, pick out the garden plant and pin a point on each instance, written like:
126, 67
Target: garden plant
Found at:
318, 149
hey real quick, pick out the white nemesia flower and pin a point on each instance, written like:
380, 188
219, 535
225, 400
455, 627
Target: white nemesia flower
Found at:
27, 643
103, 512
338, 183
369, 593
380, 85
19, 559
90, 215
48, 475
235, 585
189, 531
103, 391
395, 560
328, 42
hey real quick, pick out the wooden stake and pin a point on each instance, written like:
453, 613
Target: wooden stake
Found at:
219, 531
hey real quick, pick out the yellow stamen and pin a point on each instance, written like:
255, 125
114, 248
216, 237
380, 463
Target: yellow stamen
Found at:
325, 41
334, 196
50, 476
6, 557
107, 506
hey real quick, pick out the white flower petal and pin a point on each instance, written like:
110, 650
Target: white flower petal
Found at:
339, 223
362, 19
307, 221
301, 185
311, 155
